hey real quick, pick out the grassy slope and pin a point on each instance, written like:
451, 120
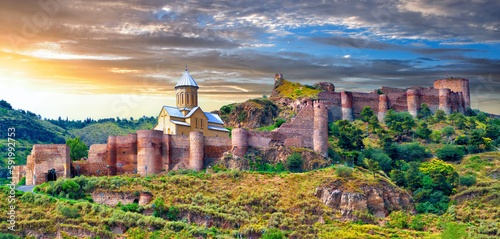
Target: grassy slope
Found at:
256, 201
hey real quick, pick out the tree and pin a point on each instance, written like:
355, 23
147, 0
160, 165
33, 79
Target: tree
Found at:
366, 113
436, 136
294, 162
5, 104
443, 175
413, 176
350, 137
448, 130
450, 153
440, 115
412, 152
384, 161
423, 131
373, 122
372, 166
78, 148
425, 111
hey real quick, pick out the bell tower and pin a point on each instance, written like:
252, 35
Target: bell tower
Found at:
186, 93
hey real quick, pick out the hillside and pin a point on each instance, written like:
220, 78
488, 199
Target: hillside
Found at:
224, 204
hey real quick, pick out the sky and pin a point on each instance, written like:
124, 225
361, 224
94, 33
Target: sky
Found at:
118, 58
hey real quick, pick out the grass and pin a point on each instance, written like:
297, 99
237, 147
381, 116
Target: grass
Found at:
295, 90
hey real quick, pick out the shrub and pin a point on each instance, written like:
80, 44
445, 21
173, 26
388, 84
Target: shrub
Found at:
273, 233
450, 153
8, 235
468, 180
131, 207
384, 161
172, 213
294, 162
22, 182
448, 130
343, 171
454, 231
412, 152
68, 212
436, 136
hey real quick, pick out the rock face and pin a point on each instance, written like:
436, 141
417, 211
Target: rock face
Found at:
272, 156
380, 199
325, 86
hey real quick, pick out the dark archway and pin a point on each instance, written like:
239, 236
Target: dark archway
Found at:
51, 175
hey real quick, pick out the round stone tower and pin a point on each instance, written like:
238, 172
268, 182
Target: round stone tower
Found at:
346, 100
413, 101
320, 134
149, 158
239, 141
196, 150
112, 154
383, 107
444, 100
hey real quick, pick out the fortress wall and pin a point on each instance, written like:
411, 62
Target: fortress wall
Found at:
431, 98
166, 151
18, 172
398, 101
302, 126
98, 153
445, 100
361, 100
333, 103
413, 101
50, 156
386, 90
180, 149
89, 168
347, 104
126, 153
260, 138
112, 154
216, 146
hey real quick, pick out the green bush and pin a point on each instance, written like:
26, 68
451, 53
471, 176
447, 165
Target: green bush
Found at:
172, 213
22, 182
454, 231
68, 212
412, 152
8, 236
468, 180
343, 171
450, 153
273, 233
294, 162
384, 161
448, 130
130, 207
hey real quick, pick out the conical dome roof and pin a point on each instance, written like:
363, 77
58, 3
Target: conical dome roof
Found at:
186, 80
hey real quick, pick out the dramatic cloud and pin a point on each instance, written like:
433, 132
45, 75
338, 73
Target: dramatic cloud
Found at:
233, 48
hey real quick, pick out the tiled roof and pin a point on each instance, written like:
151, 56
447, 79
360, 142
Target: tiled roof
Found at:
173, 111
180, 122
192, 112
217, 128
186, 80
214, 118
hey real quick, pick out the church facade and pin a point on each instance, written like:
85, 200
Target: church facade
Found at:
187, 116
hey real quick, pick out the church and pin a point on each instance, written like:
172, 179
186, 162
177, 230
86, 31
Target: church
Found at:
187, 116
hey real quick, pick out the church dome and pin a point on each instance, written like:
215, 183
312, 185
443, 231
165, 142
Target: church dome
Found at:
186, 80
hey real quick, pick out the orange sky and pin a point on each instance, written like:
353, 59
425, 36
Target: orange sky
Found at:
100, 59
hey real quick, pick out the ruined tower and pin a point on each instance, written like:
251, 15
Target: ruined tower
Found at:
413, 101
112, 155
347, 111
383, 107
149, 157
196, 151
320, 134
239, 141
444, 100
456, 85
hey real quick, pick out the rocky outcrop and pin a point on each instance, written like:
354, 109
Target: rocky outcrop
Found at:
273, 155
254, 113
380, 199
325, 86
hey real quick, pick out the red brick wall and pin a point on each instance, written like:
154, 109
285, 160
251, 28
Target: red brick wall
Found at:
179, 148
216, 146
333, 103
361, 100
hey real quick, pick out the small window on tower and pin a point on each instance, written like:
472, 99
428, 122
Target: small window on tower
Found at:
196, 122
201, 122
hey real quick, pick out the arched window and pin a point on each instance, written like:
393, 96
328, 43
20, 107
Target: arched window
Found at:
187, 99
192, 99
177, 97
201, 123
182, 98
196, 99
196, 122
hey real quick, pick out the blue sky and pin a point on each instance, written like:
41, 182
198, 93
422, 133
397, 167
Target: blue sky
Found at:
99, 59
